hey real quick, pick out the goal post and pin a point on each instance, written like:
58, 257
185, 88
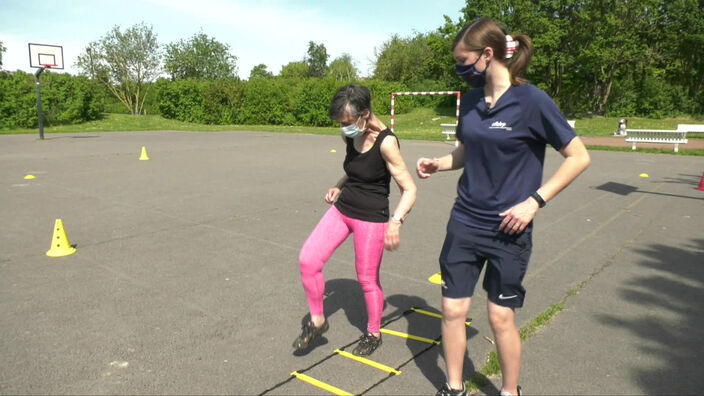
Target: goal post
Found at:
430, 93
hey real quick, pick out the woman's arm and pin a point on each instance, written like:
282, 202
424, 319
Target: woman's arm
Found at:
454, 160
576, 161
397, 167
334, 192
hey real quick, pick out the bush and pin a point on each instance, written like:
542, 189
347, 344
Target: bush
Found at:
69, 99
66, 99
312, 101
381, 96
268, 102
181, 99
655, 99
221, 101
18, 102
622, 102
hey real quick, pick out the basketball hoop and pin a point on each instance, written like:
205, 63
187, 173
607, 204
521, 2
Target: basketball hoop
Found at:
46, 56
42, 57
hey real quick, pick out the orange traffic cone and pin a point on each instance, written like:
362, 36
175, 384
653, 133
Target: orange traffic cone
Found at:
701, 184
59, 243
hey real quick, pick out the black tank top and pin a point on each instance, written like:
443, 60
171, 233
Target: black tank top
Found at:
365, 196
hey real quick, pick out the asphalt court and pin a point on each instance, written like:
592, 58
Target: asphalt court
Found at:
185, 279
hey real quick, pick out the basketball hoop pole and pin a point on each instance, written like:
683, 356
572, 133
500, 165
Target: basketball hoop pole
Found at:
39, 103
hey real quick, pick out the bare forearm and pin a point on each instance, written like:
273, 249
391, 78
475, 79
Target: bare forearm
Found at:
406, 202
452, 161
576, 161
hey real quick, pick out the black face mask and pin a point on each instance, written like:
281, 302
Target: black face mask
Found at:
470, 75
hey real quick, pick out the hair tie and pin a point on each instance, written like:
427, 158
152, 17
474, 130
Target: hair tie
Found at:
511, 46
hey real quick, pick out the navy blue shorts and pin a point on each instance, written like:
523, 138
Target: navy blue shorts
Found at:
464, 253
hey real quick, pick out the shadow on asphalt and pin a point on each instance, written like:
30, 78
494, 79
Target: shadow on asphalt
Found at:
679, 291
625, 189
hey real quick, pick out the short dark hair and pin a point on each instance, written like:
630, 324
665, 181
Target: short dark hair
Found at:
352, 98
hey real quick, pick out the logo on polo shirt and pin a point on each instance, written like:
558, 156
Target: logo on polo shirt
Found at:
500, 125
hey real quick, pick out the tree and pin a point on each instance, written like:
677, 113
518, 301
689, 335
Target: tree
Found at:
2, 49
404, 59
684, 32
316, 59
441, 65
125, 63
343, 69
260, 71
201, 57
296, 70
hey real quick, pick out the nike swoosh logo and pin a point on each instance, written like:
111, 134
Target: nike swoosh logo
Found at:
502, 297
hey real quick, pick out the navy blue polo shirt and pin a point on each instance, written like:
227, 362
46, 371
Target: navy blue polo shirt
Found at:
504, 151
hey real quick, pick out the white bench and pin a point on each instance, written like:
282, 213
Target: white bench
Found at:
690, 128
656, 136
449, 129
676, 137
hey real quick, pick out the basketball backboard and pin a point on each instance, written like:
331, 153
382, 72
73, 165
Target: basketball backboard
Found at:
43, 55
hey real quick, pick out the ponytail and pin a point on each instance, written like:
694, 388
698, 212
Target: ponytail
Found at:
518, 63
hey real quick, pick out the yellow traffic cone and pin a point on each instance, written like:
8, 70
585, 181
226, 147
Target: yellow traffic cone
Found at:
59, 243
144, 156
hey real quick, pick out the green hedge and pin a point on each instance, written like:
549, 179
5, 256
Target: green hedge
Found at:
66, 99
69, 99
264, 101
18, 102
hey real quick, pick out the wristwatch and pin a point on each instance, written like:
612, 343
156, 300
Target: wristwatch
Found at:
397, 219
539, 199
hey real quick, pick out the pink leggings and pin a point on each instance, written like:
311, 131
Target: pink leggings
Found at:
330, 232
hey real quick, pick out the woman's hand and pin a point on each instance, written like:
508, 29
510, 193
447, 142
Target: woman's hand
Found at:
332, 195
518, 217
426, 166
392, 238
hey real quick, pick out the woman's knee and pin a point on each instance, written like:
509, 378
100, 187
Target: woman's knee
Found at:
501, 318
309, 262
455, 308
369, 284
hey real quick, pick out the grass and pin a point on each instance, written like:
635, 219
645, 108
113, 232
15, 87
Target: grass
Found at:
112, 122
419, 124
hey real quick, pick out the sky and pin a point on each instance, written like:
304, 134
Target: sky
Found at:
272, 32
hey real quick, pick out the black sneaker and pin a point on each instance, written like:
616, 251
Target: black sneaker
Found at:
447, 391
368, 343
309, 333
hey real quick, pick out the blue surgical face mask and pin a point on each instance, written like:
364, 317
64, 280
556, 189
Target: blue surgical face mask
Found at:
470, 75
352, 131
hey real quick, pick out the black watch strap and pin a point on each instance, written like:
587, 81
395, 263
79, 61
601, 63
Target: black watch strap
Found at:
539, 199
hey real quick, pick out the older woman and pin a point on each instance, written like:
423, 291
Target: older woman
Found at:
360, 206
